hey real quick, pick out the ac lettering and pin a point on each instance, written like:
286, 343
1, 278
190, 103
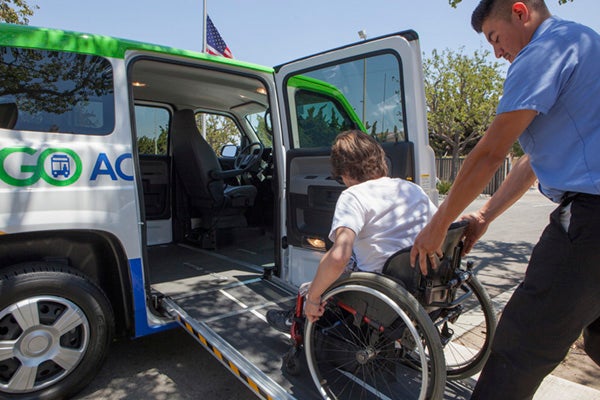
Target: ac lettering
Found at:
103, 166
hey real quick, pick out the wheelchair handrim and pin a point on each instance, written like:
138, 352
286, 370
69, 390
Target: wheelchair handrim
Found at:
405, 318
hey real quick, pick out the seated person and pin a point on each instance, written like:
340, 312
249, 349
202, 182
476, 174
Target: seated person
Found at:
374, 217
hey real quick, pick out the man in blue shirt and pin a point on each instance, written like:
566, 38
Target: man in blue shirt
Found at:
551, 103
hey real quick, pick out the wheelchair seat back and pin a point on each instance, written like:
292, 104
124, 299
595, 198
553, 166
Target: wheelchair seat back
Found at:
432, 289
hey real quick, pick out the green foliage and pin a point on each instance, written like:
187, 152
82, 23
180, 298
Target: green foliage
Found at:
462, 93
148, 145
443, 187
516, 150
454, 3
16, 11
317, 129
262, 132
220, 130
37, 79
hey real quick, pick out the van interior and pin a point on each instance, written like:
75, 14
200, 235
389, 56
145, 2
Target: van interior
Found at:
204, 195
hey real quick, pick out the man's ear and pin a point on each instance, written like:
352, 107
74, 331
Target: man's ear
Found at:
520, 11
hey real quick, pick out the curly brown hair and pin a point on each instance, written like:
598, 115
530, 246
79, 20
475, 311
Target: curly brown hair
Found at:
358, 156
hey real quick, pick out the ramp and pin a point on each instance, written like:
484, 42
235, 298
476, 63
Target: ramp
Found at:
222, 304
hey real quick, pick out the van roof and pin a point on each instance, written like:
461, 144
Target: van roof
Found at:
55, 39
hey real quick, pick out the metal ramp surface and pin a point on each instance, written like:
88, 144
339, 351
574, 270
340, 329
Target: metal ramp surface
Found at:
223, 306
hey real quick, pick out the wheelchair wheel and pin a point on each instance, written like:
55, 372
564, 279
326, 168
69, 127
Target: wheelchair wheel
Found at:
374, 341
467, 331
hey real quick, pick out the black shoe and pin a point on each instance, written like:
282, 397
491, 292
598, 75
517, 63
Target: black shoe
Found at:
281, 320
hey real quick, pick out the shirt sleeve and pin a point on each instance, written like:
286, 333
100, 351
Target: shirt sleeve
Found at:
348, 213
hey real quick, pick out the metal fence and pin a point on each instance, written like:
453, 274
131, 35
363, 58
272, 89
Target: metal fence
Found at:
444, 168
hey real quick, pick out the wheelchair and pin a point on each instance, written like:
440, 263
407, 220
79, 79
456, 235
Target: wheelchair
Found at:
398, 334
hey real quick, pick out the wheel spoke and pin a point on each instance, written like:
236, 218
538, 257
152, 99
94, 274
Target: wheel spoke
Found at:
67, 358
24, 378
69, 320
26, 314
7, 349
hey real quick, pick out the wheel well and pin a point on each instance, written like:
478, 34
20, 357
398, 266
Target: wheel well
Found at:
98, 255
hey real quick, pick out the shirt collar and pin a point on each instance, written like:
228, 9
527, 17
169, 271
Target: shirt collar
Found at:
544, 26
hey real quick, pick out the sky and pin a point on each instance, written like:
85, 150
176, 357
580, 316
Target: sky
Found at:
272, 32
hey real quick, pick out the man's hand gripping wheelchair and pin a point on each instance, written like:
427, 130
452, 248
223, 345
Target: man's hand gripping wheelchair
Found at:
397, 335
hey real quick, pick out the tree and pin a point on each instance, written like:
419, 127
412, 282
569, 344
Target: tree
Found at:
454, 3
150, 145
16, 11
462, 93
318, 125
220, 130
39, 82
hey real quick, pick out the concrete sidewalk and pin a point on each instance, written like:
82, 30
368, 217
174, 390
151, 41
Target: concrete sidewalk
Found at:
555, 388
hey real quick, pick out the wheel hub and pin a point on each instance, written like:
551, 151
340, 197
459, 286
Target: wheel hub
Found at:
363, 356
47, 336
35, 343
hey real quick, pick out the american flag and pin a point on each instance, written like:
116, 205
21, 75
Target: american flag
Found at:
215, 44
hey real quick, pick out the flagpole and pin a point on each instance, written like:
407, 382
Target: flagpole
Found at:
205, 13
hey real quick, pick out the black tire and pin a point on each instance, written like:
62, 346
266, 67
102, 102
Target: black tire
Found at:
350, 357
469, 337
59, 325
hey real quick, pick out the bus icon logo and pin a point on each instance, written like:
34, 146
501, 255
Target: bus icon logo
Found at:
61, 165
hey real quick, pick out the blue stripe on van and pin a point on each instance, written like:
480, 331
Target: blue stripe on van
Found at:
140, 312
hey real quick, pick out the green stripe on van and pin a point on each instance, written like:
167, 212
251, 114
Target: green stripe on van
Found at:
54, 39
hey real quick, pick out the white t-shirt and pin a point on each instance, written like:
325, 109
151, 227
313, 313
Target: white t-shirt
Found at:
386, 214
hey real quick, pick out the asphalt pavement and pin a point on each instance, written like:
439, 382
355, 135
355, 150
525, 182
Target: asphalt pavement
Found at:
171, 365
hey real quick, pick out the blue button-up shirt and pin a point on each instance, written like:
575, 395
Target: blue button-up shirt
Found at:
558, 75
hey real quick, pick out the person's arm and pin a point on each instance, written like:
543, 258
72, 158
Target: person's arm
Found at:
478, 168
517, 182
330, 268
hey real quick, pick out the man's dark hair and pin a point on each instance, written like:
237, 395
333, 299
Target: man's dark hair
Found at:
358, 156
500, 8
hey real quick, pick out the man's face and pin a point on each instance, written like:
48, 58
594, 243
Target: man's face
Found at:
507, 37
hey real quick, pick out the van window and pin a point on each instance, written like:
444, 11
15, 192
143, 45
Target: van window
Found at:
152, 125
261, 126
320, 119
52, 91
220, 130
373, 88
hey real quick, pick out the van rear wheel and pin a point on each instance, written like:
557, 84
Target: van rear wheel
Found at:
55, 330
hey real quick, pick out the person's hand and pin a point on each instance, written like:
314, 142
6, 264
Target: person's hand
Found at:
313, 309
428, 246
475, 230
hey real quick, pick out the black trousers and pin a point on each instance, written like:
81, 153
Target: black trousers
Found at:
558, 299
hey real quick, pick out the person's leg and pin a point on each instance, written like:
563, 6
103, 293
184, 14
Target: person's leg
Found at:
547, 312
282, 319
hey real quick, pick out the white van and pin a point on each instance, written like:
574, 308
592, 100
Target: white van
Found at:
144, 187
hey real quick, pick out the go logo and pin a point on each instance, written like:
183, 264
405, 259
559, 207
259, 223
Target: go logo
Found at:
63, 163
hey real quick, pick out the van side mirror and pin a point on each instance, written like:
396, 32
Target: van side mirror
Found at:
229, 151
